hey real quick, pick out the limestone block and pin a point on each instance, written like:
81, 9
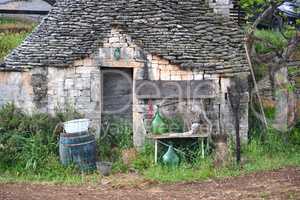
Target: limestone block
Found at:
114, 39
84, 93
198, 75
155, 66
83, 100
165, 75
176, 75
127, 53
85, 69
78, 63
82, 83
149, 57
73, 93
96, 87
187, 76
105, 53
139, 131
154, 74
69, 84
138, 74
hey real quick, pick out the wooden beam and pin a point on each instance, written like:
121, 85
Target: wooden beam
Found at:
24, 12
145, 89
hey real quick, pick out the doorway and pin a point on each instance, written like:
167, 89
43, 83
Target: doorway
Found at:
117, 93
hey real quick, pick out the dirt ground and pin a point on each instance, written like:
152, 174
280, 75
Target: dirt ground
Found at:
281, 184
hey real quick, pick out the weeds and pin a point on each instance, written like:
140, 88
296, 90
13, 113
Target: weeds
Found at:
116, 135
28, 152
274, 39
12, 33
271, 154
28, 148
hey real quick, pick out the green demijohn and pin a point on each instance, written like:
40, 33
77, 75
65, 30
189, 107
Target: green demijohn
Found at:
158, 125
170, 158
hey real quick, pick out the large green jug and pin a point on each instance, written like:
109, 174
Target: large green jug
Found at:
171, 159
158, 126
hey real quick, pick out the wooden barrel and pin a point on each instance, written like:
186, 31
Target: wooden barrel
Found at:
78, 149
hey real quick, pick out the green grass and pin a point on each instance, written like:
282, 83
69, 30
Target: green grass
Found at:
275, 39
9, 41
274, 154
206, 171
52, 173
12, 33
255, 157
6, 20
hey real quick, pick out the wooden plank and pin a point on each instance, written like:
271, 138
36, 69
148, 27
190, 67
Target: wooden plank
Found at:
145, 89
202, 89
24, 12
176, 135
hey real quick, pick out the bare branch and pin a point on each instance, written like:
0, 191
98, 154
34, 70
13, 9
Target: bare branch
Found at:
294, 43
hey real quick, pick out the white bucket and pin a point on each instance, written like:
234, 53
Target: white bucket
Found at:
77, 126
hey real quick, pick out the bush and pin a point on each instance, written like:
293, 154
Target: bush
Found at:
145, 158
116, 135
27, 140
276, 39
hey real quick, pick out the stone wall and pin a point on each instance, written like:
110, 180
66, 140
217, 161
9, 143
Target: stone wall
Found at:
16, 87
152, 67
79, 85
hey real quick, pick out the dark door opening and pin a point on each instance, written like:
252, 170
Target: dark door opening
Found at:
117, 93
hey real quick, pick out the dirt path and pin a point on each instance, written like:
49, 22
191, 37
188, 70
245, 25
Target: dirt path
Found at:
282, 184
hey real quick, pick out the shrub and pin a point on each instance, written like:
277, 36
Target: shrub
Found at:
28, 140
145, 158
116, 135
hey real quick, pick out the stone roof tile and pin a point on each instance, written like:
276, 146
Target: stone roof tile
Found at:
186, 32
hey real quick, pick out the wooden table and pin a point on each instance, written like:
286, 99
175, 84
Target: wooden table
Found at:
168, 136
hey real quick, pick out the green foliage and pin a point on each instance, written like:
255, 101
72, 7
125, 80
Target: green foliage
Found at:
66, 113
270, 112
119, 167
51, 172
9, 41
270, 41
253, 7
260, 71
116, 135
184, 172
294, 136
175, 125
273, 153
12, 33
145, 158
27, 141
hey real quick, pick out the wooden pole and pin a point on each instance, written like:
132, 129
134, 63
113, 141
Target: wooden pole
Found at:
256, 87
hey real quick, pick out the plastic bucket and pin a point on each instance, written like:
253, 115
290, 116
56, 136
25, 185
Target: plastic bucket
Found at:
104, 168
76, 126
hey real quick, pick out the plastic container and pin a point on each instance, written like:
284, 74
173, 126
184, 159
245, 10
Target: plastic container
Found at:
104, 168
77, 126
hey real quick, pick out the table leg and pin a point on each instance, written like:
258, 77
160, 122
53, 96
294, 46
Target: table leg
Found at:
156, 149
202, 147
207, 144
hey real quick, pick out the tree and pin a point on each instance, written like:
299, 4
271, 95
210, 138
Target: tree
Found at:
276, 55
